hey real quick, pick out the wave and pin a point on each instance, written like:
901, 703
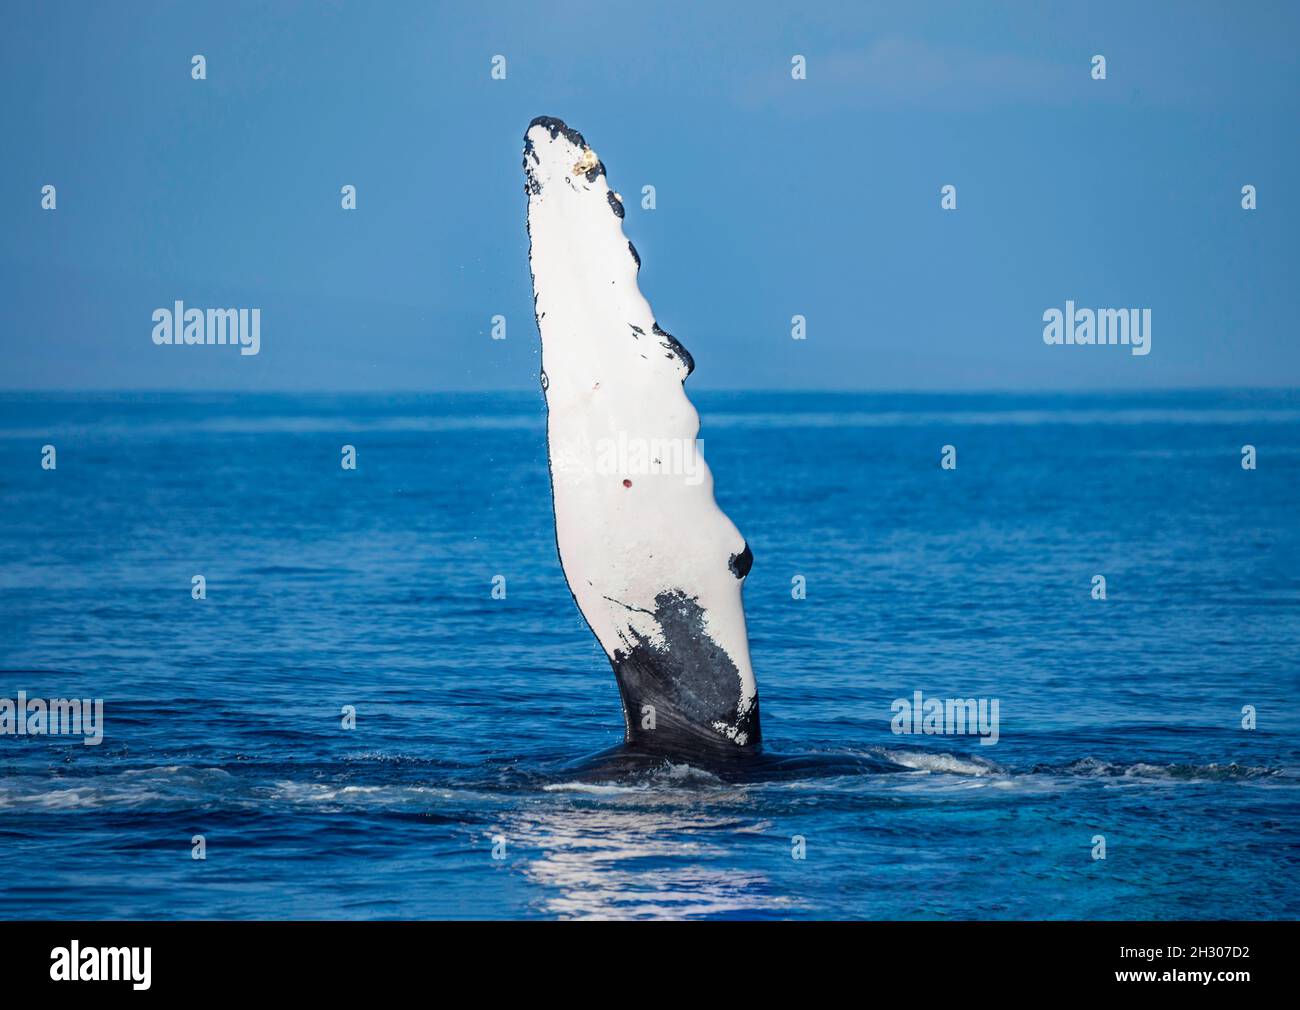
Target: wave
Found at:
593, 788
943, 763
383, 784
1090, 767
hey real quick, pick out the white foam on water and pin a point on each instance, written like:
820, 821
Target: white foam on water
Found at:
668, 775
594, 788
685, 773
359, 795
947, 763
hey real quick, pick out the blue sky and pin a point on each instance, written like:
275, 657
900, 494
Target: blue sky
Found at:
775, 197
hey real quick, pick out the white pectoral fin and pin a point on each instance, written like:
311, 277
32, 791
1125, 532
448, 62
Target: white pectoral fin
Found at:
655, 566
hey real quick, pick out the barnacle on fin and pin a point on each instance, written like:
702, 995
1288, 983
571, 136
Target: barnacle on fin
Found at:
587, 162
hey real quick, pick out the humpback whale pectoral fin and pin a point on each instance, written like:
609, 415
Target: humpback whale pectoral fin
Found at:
655, 567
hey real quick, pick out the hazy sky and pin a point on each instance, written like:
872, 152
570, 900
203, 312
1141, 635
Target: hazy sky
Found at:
775, 197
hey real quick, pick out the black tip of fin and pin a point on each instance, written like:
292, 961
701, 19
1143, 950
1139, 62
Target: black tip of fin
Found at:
555, 127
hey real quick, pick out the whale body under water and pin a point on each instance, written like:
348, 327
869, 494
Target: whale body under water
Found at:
654, 565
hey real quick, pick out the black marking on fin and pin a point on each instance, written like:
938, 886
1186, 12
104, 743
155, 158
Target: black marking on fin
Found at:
555, 127
741, 563
614, 204
632, 249
674, 345
691, 682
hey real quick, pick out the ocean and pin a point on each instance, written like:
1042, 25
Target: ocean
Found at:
1156, 726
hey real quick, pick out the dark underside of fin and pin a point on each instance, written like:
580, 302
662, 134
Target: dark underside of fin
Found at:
674, 693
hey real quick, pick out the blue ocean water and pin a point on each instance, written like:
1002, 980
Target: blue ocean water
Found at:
475, 717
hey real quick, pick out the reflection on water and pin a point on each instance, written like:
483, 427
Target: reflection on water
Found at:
622, 859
